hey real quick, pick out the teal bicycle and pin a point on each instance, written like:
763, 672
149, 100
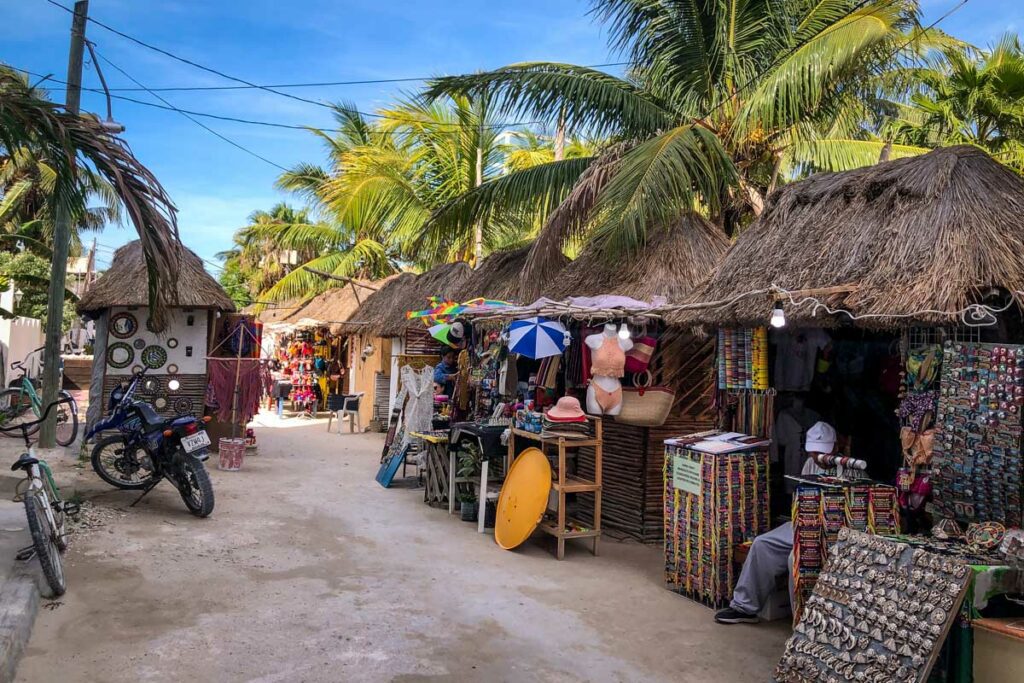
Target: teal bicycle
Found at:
22, 404
45, 510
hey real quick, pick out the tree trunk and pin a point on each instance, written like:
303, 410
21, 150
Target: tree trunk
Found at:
478, 229
560, 138
886, 152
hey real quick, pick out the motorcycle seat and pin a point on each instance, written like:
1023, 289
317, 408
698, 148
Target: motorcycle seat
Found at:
24, 462
149, 416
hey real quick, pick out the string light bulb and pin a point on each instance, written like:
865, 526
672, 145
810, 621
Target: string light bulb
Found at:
778, 316
624, 331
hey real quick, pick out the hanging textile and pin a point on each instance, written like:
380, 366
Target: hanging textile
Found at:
254, 381
419, 411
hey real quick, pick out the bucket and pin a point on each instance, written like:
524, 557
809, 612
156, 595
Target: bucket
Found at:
232, 451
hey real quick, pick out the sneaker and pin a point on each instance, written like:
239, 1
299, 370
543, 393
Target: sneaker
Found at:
734, 616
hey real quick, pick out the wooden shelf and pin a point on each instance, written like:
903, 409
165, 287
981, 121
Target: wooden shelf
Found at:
569, 443
574, 485
563, 485
550, 526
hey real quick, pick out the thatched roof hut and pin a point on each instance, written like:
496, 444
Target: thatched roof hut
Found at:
126, 283
919, 238
274, 312
674, 258
500, 276
383, 313
335, 307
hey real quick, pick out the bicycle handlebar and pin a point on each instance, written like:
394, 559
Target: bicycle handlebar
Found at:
46, 413
20, 364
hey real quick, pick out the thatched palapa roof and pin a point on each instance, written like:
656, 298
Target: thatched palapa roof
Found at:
670, 263
928, 233
274, 312
383, 313
126, 283
335, 307
500, 276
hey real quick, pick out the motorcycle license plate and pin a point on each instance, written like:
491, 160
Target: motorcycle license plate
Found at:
195, 442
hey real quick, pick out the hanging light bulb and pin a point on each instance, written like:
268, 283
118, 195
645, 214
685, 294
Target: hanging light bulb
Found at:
778, 315
623, 331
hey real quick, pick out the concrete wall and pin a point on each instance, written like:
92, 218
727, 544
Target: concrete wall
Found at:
189, 354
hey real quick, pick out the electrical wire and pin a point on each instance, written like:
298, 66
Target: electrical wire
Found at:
264, 87
194, 120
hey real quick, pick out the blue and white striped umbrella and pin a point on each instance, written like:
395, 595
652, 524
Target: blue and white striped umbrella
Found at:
536, 337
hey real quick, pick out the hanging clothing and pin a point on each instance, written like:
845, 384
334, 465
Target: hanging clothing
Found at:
608, 360
796, 357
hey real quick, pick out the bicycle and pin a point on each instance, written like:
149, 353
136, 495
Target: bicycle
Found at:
23, 396
46, 511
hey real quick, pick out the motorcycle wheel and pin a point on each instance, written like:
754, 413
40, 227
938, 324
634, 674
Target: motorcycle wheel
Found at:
195, 487
119, 466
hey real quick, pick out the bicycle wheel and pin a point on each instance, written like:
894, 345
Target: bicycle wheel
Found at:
67, 421
15, 409
43, 539
120, 465
60, 533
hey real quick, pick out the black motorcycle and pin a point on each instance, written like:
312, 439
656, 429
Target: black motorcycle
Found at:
148, 448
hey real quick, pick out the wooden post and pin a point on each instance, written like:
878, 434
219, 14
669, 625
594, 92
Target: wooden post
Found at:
238, 372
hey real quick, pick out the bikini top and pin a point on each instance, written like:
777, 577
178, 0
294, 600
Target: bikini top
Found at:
608, 360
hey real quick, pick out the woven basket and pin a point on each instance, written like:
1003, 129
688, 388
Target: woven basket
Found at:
644, 405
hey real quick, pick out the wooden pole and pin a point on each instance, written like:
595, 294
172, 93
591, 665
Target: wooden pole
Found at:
238, 372
61, 239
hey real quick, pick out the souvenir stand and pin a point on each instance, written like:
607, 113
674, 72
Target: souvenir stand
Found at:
127, 340
309, 359
918, 365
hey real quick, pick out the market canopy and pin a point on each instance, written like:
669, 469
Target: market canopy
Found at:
910, 241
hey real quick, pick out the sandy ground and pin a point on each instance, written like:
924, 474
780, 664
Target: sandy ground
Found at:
309, 571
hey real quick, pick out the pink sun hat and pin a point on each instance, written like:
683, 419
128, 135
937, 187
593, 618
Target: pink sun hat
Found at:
567, 409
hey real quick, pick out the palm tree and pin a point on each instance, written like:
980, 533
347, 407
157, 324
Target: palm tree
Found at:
384, 180
65, 142
967, 97
720, 103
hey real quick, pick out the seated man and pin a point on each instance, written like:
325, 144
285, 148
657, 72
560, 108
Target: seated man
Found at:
768, 558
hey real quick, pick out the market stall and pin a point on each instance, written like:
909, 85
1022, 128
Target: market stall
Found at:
827, 312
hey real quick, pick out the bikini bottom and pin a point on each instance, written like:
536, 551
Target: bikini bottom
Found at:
608, 400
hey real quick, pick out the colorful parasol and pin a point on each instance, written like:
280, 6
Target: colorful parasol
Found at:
536, 337
443, 310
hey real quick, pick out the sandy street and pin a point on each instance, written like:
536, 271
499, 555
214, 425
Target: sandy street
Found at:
309, 571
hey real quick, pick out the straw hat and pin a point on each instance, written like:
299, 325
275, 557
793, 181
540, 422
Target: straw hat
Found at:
567, 409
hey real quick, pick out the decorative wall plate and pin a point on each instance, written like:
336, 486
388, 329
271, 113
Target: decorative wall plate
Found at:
183, 405
172, 343
172, 369
120, 355
154, 356
160, 402
139, 344
124, 325
136, 369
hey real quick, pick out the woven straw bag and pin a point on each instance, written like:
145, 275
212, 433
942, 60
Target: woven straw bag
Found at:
644, 405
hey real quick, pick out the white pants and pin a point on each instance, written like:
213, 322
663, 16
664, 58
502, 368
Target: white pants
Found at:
768, 559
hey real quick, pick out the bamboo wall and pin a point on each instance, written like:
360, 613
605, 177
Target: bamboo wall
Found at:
633, 457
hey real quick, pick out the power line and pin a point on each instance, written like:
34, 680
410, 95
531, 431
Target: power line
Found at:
249, 84
275, 124
194, 120
320, 84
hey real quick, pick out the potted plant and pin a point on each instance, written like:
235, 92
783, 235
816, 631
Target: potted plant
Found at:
467, 507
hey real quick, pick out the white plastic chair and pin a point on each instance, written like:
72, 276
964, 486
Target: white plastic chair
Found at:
350, 409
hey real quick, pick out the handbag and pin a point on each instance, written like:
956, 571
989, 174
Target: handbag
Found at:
638, 358
644, 405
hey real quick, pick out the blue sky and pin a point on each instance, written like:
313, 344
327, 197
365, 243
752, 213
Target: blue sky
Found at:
214, 185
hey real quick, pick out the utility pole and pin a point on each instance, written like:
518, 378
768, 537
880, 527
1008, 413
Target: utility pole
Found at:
478, 229
62, 239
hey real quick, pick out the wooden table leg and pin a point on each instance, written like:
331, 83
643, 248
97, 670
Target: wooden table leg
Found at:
451, 482
483, 497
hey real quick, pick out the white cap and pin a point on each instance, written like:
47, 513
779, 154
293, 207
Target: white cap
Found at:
821, 438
